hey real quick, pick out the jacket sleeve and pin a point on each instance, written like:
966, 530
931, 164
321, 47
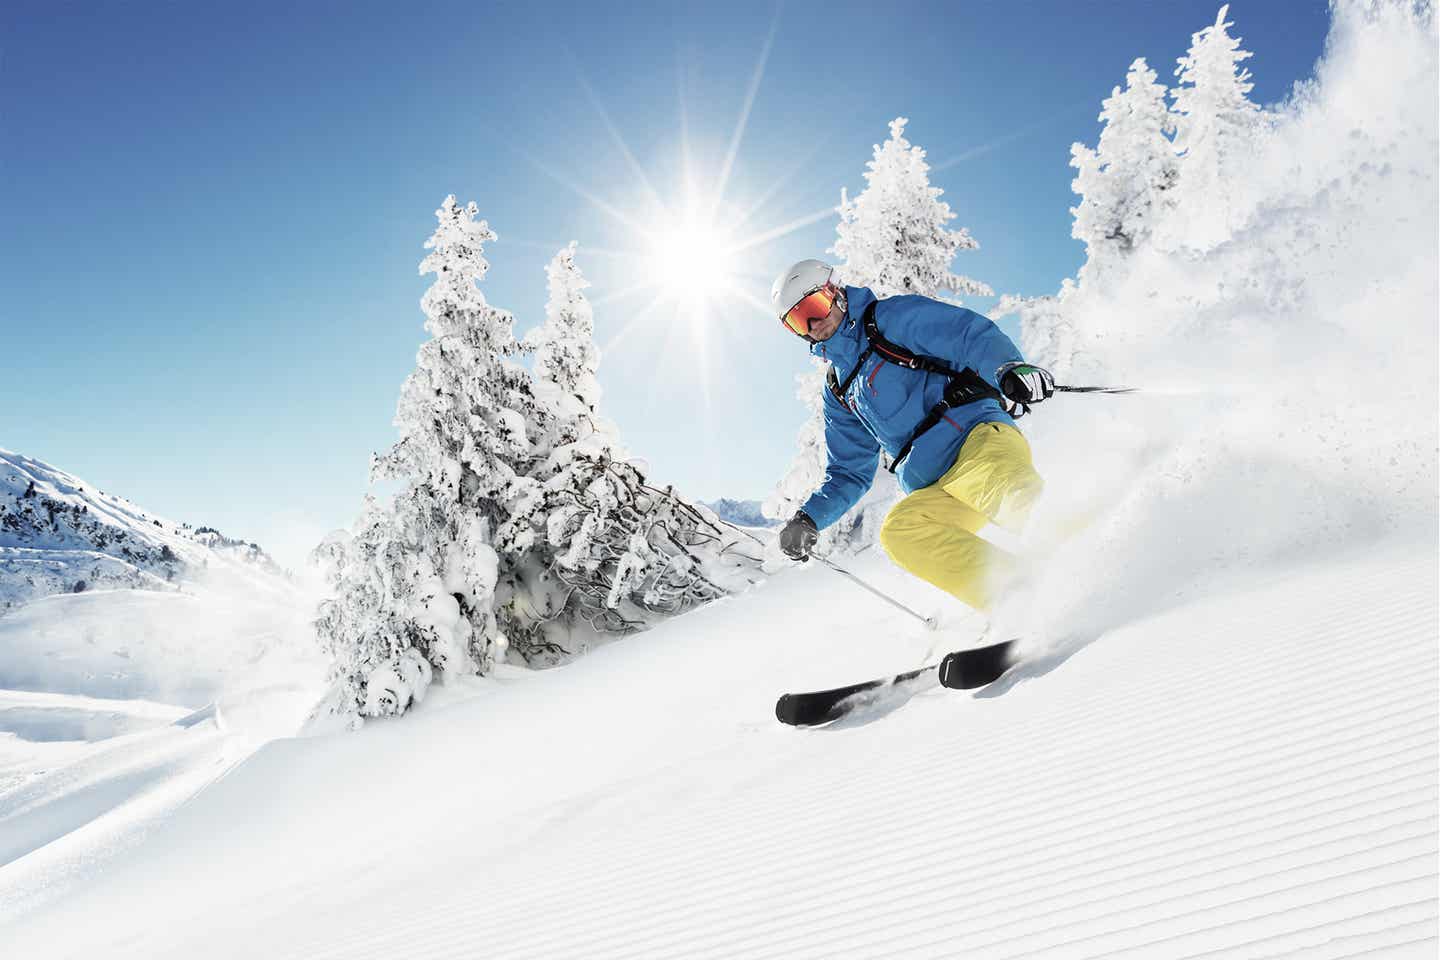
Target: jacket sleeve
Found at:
850, 460
961, 337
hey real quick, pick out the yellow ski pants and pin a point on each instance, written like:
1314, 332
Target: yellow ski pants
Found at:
932, 532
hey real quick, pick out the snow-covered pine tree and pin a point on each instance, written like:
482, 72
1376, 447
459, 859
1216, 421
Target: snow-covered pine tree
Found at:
423, 578
893, 238
565, 391
533, 606
631, 553
1126, 184
388, 605
565, 353
597, 549
1215, 126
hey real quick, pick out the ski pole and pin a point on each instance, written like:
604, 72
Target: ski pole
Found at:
1065, 389
928, 621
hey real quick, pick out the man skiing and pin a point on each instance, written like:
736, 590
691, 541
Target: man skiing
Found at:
936, 386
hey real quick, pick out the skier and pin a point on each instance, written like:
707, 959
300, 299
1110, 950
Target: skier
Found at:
937, 387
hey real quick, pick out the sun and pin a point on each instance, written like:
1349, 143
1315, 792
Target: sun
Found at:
692, 273
691, 258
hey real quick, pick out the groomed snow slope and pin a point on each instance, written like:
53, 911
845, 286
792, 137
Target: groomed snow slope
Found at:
1249, 774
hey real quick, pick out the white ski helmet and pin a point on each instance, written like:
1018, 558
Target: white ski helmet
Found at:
796, 283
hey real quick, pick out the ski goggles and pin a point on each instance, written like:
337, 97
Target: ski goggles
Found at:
815, 305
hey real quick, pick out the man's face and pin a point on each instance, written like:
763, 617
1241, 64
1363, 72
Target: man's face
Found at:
825, 328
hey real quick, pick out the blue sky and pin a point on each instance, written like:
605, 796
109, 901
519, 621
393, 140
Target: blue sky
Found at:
211, 215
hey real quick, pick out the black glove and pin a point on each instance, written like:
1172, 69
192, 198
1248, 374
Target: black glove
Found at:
798, 536
1023, 384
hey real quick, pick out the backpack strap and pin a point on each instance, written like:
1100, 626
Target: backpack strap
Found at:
839, 388
897, 354
965, 386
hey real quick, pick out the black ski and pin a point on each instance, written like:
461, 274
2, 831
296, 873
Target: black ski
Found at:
968, 669
961, 670
822, 706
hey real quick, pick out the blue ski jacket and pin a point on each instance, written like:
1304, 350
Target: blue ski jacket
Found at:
885, 401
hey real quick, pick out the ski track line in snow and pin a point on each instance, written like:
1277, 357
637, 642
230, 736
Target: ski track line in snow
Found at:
1399, 944
1277, 882
1306, 910
1397, 924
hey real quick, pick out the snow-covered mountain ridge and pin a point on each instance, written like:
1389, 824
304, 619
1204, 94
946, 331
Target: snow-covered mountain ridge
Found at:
59, 534
745, 513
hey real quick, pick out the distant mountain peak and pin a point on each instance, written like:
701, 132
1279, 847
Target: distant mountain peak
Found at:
59, 534
742, 513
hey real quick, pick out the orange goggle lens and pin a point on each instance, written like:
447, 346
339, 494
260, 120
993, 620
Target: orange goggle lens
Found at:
815, 306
